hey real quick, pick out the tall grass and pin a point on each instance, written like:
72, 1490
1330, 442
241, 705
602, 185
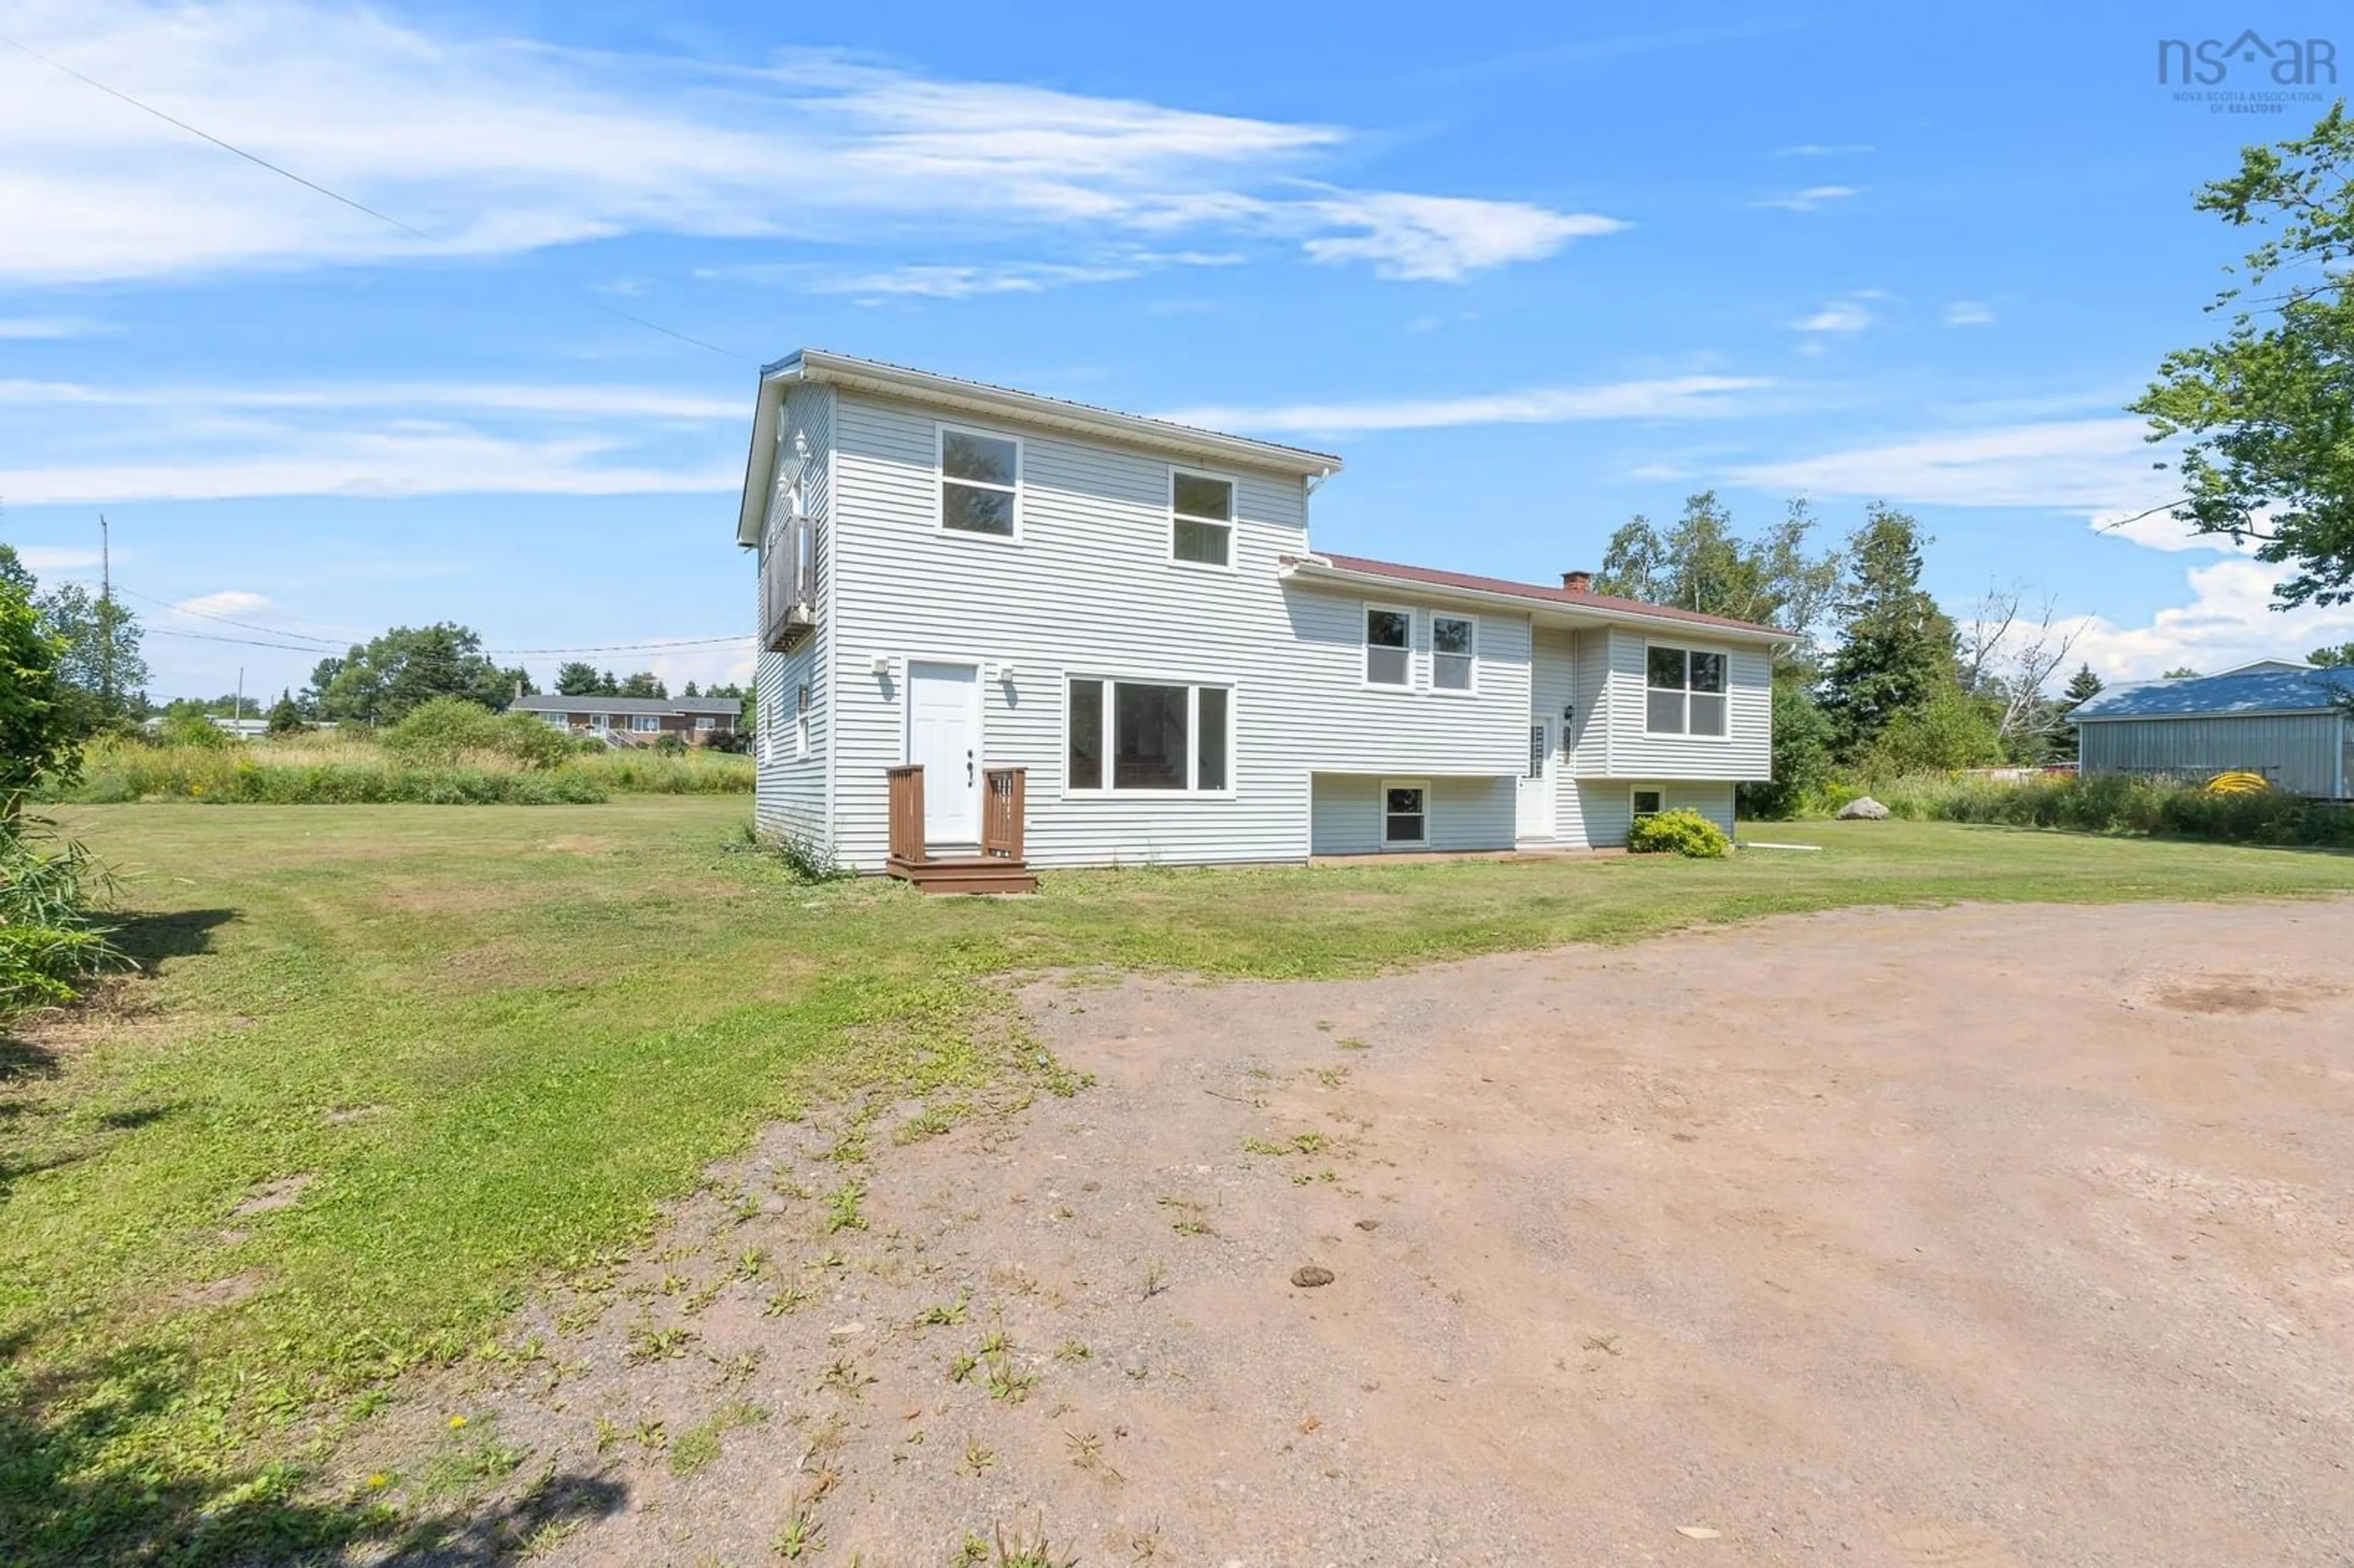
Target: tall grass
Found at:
2115, 805
48, 937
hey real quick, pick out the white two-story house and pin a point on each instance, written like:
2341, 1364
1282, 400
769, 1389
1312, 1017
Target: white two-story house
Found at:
972, 581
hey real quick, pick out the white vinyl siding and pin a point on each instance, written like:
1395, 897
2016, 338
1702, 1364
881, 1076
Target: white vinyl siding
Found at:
792, 785
1552, 686
1629, 750
1090, 592
1462, 814
1605, 807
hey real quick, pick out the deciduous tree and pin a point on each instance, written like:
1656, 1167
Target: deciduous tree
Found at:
1897, 648
2268, 409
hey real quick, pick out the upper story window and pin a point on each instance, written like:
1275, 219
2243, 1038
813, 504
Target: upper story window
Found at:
1685, 691
980, 482
1454, 646
1389, 642
1201, 518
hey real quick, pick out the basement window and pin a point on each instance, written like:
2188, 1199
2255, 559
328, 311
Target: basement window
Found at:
1405, 815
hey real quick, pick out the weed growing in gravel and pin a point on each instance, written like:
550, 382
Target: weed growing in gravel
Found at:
928, 1123
801, 1536
699, 1444
1156, 1279
841, 1208
789, 1298
1350, 1043
944, 1315
648, 1343
1074, 1351
845, 1376
977, 1460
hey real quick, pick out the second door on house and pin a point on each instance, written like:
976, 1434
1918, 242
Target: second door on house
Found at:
944, 738
1535, 801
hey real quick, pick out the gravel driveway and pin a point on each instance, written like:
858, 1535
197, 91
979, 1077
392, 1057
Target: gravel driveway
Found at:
1941, 1239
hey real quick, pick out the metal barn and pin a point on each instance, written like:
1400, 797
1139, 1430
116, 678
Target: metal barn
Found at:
2293, 723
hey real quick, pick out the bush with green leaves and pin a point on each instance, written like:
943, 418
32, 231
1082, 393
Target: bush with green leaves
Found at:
189, 726
50, 940
1681, 831
446, 729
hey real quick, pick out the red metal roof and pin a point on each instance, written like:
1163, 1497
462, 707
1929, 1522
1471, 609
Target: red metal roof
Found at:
1603, 601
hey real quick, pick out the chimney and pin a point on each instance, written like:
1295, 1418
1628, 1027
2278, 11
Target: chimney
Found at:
1577, 582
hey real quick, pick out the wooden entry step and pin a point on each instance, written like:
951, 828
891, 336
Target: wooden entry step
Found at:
964, 874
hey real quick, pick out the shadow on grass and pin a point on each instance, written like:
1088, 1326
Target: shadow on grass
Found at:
149, 940
74, 1488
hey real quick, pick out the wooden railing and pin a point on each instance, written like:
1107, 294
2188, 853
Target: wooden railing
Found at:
1002, 812
908, 812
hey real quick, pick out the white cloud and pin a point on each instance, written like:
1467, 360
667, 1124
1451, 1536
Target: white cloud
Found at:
1820, 150
22, 329
1682, 396
1808, 199
619, 402
1970, 312
54, 558
2228, 620
1840, 315
1422, 237
2089, 465
961, 282
494, 147
393, 460
228, 601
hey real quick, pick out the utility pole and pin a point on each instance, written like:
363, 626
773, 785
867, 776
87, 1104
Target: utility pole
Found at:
105, 620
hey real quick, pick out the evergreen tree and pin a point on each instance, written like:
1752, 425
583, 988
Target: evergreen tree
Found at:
606, 686
285, 718
2337, 658
643, 684
575, 679
1896, 649
2081, 688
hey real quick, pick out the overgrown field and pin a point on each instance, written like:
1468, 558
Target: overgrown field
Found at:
2115, 805
391, 1066
328, 770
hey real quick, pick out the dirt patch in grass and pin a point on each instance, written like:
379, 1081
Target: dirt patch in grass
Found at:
1882, 1239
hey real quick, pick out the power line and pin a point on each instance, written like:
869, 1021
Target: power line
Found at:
240, 642
330, 645
259, 162
626, 647
249, 625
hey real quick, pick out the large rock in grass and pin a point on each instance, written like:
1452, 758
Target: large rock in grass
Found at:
1863, 809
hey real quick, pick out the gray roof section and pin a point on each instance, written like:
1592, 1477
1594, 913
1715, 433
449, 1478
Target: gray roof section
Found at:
2266, 688
627, 705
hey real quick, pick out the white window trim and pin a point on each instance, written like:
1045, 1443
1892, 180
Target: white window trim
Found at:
1364, 649
941, 479
1232, 524
1382, 815
707, 721
1687, 649
1192, 736
1435, 689
645, 724
1635, 789
801, 720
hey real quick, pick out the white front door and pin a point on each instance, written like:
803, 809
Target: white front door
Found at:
944, 738
1536, 781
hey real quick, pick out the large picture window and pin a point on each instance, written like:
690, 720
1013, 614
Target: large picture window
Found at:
1389, 644
980, 482
1147, 737
1201, 518
1684, 692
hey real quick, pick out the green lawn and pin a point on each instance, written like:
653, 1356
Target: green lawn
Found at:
495, 1039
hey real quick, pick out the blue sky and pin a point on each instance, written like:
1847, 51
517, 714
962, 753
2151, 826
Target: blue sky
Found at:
1530, 271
